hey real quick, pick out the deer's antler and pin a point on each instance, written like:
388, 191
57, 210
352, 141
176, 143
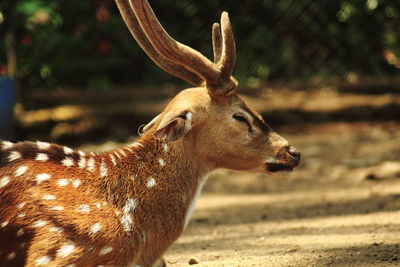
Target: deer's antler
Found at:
146, 45
179, 59
217, 42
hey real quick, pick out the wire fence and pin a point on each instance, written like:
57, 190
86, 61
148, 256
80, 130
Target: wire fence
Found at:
85, 44
307, 40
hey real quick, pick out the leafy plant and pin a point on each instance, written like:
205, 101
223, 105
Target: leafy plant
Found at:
85, 43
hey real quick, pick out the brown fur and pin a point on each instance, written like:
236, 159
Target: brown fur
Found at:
64, 208
215, 140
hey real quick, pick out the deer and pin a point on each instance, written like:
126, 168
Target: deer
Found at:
62, 207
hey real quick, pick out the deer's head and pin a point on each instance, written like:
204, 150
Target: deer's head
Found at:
222, 129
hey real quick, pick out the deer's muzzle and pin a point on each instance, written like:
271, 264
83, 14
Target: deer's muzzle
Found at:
287, 159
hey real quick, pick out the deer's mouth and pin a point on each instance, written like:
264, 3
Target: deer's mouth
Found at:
277, 167
274, 165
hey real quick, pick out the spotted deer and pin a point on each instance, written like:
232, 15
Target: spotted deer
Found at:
63, 207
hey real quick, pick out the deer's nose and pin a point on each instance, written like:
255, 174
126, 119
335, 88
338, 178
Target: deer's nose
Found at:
293, 152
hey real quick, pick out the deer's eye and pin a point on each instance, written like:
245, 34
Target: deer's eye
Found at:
242, 119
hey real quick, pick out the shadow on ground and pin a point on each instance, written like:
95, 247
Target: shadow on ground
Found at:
260, 212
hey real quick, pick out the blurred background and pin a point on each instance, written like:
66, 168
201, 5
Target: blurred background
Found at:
325, 74
80, 55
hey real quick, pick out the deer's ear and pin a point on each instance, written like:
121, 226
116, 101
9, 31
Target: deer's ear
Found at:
174, 126
145, 127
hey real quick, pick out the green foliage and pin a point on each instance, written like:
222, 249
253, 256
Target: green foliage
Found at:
86, 44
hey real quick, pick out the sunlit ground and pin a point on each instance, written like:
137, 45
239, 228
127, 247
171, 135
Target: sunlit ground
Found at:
341, 207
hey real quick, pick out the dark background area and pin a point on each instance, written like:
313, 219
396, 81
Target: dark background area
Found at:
82, 77
85, 45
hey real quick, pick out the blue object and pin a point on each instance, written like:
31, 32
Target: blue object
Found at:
7, 101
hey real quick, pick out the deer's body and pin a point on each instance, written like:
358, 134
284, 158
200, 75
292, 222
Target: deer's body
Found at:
117, 208
66, 208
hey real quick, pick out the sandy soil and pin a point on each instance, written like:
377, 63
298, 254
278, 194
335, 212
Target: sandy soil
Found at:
341, 207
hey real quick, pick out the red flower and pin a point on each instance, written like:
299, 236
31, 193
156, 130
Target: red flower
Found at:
103, 46
102, 14
26, 40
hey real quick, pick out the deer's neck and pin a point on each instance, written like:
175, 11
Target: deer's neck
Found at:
158, 180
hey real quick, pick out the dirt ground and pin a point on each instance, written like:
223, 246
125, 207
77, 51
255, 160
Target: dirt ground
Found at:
341, 207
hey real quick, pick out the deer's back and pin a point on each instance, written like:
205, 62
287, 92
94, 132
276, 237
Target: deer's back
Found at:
48, 212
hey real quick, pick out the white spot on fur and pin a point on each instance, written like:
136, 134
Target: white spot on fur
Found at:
130, 205
189, 117
7, 145
14, 155
20, 232
122, 152
81, 153
114, 162
43, 145
67, 162
116, 154
4, 181
105, 251
39, 223
11, 256
151, 182
165, 148
57, 208
91, 165
56, 229
21, 215
95, 228
42, 157
127, 222
21, 205
84, 208
98, 205
161, 162
68, 150
103, 169
194, 199
76, 183
3, 224
63, 182
70, 265
126, 218
41, 177
42, 261
188, 123
21, 171
136, 144
49, 197
82, 162
66, 250
129, 149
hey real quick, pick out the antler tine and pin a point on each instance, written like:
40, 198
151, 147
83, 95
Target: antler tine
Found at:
217, 42
184, 55
228, 58
170, 48
137, 32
